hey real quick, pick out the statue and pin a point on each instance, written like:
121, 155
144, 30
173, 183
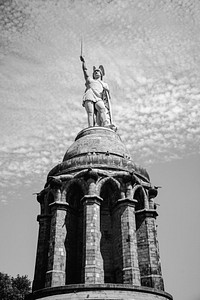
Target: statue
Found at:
96, 98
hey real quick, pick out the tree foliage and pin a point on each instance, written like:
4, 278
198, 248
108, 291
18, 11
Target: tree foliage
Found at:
14, 288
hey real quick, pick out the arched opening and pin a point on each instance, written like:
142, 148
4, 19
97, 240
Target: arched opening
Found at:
142, 236
140, 197
50, 198
110, 194
74, 237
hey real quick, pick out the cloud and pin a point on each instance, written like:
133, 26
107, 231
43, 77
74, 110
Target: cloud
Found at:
150, 52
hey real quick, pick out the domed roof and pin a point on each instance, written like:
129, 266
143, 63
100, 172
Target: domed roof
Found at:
96, 140
97, 147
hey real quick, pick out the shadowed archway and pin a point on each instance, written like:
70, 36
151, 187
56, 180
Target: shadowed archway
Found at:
74, 237
110, 194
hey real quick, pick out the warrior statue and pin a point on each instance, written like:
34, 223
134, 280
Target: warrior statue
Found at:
96, 98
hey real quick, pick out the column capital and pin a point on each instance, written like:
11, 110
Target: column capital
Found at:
147, 213
59, 205
125, 202
43, 218
91, 199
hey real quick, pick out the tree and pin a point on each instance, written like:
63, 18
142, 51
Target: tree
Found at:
14, 288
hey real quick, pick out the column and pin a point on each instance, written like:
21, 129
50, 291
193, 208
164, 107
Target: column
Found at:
56, 273
93, 264
148, 251
42, 252
126, 215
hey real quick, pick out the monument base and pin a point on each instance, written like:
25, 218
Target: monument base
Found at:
100, 292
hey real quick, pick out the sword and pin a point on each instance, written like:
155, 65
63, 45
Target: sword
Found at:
81, 46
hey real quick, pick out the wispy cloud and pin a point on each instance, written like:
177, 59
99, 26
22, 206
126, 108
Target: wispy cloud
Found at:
151, 55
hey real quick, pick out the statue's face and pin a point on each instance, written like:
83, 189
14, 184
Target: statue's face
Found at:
97, 74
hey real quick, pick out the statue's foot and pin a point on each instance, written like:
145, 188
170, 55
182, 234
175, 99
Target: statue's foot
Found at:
111, 126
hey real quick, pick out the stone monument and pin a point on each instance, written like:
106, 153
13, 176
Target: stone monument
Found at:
97, 226
96, 99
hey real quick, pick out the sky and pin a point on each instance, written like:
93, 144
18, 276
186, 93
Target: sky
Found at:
151, 54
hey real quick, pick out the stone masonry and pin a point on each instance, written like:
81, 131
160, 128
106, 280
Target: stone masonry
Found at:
97, 227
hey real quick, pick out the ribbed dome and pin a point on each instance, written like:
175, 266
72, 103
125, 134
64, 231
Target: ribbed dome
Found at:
98, 140
97, 147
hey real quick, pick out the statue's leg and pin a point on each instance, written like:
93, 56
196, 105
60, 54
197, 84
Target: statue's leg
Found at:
98, 121
100, 107
96, 117
89, 106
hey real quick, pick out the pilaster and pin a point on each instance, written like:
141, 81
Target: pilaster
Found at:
42, 252
93, 264
56, 272
148, 251
125, 209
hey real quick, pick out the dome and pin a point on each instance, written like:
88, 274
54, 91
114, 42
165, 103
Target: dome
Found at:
97, 147
96, 140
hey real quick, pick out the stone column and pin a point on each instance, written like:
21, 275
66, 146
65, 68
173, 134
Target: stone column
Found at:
42, 252
148, 251
130, 268
56, 273
93, 264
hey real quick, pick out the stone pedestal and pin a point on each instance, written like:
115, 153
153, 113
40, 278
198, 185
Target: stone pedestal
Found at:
91, 244
99, 292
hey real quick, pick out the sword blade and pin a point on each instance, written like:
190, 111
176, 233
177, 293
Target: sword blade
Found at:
81, 46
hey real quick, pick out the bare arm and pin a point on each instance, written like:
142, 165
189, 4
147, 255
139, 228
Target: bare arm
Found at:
85, 72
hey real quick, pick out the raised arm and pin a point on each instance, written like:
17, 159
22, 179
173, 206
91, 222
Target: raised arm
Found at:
85, 72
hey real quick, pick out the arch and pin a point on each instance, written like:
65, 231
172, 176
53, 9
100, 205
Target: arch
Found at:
50, 197
102, 181
74, 228
47, 199
73, 192
110, 193
140, 195
109, 190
